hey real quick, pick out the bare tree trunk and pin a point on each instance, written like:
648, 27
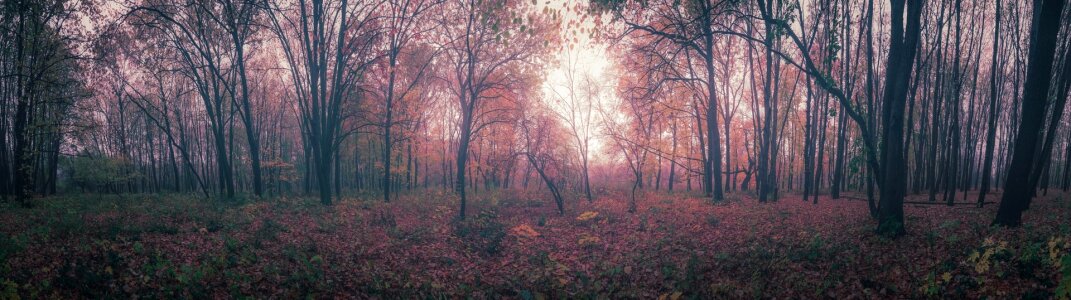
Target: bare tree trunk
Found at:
1017, 192
902, 48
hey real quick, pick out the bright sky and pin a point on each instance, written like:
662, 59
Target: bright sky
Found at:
586, 56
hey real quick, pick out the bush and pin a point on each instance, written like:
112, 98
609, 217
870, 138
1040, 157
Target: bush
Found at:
1063, 290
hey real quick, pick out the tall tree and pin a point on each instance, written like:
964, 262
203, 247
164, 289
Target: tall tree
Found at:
334, 48
403, 24
691, 28
487, 42
1017, 189
903, 45
575, 106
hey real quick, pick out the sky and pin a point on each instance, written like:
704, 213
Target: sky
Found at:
587, 56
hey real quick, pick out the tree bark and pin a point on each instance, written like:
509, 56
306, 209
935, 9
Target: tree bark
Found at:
1036, 88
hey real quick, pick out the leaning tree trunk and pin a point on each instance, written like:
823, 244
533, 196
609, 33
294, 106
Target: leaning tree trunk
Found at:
1035, 97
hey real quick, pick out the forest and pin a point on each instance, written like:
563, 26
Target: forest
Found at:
535, 149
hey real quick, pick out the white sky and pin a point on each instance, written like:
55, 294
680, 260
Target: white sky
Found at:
588, 57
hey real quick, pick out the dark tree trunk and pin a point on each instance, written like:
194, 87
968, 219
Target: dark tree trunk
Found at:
902, 48
994, 93
1042, 163
1036, 89
463, 157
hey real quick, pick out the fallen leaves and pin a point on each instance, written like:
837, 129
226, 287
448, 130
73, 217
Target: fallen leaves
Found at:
588, 215
670, 296
588, 240
668, 249
524, 230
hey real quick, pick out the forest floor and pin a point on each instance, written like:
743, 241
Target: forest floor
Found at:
515, 245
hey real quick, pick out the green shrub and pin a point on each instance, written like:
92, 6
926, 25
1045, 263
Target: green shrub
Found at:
1063, 290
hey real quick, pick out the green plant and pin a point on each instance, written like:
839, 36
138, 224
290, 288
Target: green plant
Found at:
1063, 289
10, 290
9, 245
816, 248
989, 255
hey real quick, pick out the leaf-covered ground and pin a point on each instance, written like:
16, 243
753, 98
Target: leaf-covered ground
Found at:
515, 245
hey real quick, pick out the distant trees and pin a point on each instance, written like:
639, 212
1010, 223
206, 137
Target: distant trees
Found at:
198, 90
575, 101
188, 30
838, 46
679, 34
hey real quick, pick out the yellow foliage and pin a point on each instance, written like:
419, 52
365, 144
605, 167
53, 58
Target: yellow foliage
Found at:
1058, 247
982, 260
588, 240
587, 216
524, 230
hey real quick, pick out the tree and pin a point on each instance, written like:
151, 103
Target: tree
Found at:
237, 18
39, 82
488, 43
991, 127
903, 45
540, 136
404, 19
1017, 189
690, 29
197, 39
575, 106
333, 50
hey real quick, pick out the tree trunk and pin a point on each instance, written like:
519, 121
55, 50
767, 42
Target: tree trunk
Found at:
902, 47
1036, 88
991, 129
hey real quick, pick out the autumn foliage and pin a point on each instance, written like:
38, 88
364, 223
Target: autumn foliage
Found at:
544, 149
